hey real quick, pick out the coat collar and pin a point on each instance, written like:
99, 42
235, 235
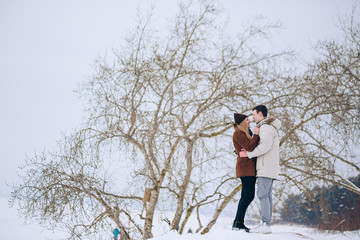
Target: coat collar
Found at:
267, 120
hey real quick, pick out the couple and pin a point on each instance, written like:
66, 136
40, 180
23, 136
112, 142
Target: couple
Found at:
263, 145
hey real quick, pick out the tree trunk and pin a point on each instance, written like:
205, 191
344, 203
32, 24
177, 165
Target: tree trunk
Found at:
220, 209
188, 214
150, 213
180, 202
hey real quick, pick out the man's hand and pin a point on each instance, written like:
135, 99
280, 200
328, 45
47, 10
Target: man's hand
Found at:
243, 153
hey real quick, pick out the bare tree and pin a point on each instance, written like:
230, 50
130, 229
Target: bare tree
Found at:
160, 99
322, 114
317, 107
160, 111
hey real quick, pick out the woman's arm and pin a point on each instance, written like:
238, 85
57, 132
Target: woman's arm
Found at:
245, 143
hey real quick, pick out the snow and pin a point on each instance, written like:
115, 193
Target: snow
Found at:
12, 227
279, 232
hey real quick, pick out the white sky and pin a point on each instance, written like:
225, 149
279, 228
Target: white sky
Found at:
47, 48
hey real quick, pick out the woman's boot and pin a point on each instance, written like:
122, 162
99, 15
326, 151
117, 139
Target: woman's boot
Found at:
237, 225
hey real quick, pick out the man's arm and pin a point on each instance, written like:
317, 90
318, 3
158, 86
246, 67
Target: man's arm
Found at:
266, 140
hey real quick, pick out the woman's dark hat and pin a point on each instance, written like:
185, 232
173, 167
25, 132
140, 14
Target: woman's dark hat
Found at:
238, 117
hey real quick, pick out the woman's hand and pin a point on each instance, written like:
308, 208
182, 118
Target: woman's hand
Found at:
257, 130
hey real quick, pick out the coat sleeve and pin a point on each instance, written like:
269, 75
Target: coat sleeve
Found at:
242, 142
266, 141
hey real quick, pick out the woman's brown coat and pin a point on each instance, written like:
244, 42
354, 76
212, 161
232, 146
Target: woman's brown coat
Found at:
244, 166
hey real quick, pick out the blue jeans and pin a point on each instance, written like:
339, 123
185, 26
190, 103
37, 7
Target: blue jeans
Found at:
264, 193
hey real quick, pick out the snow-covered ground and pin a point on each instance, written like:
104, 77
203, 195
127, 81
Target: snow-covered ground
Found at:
279, 232
12, 227
222, 231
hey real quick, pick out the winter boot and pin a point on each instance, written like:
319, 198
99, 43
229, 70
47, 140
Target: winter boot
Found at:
237, 226
262, 228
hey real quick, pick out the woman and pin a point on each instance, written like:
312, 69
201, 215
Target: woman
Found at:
245, 167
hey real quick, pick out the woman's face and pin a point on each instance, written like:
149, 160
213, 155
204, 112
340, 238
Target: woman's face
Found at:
248, 122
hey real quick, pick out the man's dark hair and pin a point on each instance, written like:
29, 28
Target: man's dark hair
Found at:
261, 108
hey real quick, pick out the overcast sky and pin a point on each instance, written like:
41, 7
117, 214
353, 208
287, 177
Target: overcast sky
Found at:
47, 48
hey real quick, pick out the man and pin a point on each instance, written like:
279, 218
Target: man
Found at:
267, 163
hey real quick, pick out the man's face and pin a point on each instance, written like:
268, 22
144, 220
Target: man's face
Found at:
257, 116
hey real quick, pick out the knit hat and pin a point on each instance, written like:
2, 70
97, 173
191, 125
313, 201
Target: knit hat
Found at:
238, 117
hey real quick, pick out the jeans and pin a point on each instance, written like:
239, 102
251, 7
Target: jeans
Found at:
265, 196
247, 195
